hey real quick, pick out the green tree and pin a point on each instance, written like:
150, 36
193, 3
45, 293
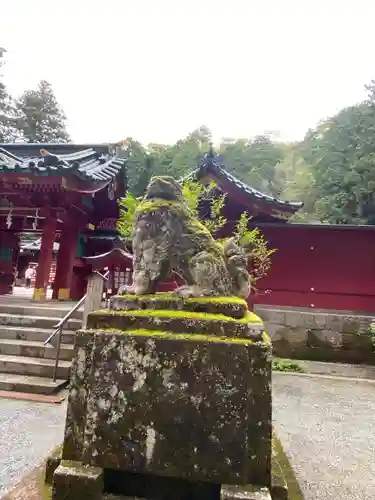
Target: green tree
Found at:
341, 151
8, 129
139, 166
180, 158
41, 117
254, 161
294, 178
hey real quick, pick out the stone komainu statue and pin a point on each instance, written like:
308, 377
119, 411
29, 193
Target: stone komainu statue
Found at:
167, 237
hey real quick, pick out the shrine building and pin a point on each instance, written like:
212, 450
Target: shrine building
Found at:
58, 192
315, 266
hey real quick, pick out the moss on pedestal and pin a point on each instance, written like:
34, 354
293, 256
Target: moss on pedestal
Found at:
228, 306
178, 321
179, 336
203, 316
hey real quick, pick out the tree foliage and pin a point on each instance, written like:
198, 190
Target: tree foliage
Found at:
332, 170
41, 118
139, 165
341, 152
254, 161
8, 123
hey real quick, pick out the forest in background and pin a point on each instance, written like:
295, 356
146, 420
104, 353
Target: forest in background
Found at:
332, 170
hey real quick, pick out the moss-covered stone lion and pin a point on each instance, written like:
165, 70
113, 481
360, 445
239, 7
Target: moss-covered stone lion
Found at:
167, 237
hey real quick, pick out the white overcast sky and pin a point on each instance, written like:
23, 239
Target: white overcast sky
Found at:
157, 69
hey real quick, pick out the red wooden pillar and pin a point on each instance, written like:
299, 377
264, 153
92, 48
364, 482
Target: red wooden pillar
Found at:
65, 262
45, 259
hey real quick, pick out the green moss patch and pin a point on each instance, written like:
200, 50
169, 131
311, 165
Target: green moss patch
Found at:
147, 206
217, 300
195, 337
228, 306
286, 365
169, 314
266, 338
199, 300
178, 321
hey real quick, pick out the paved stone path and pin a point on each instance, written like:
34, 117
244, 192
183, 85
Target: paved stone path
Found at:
28, 432
327, 428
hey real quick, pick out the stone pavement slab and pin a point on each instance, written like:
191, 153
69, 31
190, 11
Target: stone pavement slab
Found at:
337, 369
327, 429
28, 433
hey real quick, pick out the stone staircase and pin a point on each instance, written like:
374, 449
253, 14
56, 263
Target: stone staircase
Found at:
26, 364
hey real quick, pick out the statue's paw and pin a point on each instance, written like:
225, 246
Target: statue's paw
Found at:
186, 292
126, 289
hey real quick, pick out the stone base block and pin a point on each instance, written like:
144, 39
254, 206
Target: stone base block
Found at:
247, 492
173, 393
52, 464
178, 322
187, 406
196, 407
74, 481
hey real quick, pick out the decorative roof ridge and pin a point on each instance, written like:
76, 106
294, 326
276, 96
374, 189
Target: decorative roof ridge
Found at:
214, 162
6, 153
126, 255
46, 145
256, 192
87, 163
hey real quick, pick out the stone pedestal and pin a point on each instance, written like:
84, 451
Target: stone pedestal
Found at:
160, 389
73, 480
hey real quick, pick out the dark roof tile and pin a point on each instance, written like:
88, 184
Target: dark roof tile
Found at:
215, 164
87, 164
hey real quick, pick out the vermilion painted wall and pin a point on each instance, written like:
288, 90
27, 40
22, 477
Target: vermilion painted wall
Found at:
320, 267
317, 267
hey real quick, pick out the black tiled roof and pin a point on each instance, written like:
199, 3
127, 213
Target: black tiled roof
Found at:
94, 163
215, 164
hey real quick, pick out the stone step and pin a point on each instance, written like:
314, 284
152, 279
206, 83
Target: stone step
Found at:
40, 367
30, 384
33, 334
35, 349
27, 309
37, 321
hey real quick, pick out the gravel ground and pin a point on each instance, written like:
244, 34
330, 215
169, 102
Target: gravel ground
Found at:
28, 432
326, 426
327, 429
